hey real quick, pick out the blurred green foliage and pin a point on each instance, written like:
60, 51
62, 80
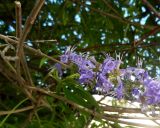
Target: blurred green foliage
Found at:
92, 26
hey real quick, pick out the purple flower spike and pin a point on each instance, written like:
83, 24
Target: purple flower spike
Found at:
135, 92
107, 86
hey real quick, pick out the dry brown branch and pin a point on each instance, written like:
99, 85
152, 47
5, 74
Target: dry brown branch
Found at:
27, 27
18, 34
43, 41
18, 19
121, 110
32, 50
16, 111
131, 117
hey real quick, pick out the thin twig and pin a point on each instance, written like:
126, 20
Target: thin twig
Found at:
16, 111
33, 111
120, 109
43, 41
152, 32
32, 50
132, 117
27, 27
151, 8
18, 34
110, 6
36, 105
20, 80
2, 53
18, 19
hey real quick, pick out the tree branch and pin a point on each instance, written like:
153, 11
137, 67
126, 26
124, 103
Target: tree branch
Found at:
16, 111
106, 2
18, 19
32, 50
152, 32
151, 8
27, 27
18, 34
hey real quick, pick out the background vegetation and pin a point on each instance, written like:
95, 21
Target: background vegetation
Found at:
32, 94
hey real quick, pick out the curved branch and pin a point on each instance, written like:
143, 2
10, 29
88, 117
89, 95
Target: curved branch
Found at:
16, 111
32, 50
151, 8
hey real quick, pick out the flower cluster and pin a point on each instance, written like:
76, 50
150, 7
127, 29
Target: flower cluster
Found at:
108, 77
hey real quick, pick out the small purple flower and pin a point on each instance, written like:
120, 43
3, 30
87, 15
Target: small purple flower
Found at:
139, 74
59, 68
135, 92
125, 74
108, 65
86, 76
119, 89
89, 64
104, 83
77, 59
64, 58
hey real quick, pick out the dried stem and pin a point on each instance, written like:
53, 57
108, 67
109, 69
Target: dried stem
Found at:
131, 117
18, 34
120, 109
16, 111
27, 27
18, 19
32, 50
43, 41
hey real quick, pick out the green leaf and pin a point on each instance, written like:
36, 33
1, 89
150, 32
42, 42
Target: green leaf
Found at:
43, 60
65, 17
76, 93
